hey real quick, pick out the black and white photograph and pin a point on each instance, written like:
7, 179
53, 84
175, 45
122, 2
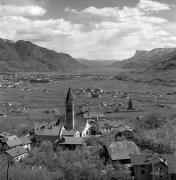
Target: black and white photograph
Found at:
87, 89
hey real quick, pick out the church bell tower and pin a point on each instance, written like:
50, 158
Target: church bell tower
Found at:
69, 115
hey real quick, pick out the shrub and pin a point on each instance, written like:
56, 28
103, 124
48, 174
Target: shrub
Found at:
153, 121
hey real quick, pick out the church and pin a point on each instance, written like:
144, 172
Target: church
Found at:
70, 127
75, 125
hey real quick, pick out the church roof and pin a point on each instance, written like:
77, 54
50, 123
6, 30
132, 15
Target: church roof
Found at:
69, 95
80, 123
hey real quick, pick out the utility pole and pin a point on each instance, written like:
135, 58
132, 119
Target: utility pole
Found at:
8, 165
97, 105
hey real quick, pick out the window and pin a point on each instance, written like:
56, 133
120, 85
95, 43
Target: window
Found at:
142, 171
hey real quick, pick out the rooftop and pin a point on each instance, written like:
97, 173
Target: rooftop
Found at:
140, 159
68, 133
122, 149
80, 123
52, 131
14, 142
16, 151
74, 140
146, 159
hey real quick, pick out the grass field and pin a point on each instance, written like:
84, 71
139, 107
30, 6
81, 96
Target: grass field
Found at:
49, 96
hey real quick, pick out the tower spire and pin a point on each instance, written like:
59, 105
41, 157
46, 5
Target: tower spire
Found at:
69, 105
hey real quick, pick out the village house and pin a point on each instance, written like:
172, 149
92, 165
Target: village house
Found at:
16, 154
149, 167
9, 142
71, 143
51, 133
120, 151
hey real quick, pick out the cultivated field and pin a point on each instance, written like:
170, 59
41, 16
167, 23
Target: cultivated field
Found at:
41, 99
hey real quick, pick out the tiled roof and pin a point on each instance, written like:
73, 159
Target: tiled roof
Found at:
140, 159
73, 140
80, 123
15, 142
156, 160
16, 151
53, 131
122, 149
145, 159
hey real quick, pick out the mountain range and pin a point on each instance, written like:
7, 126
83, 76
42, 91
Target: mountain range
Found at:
157, 66
156, 59
26, 56
95, 63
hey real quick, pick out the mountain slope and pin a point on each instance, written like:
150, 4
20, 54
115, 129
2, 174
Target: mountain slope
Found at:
95, 63
146, 59
157, 67
25, 56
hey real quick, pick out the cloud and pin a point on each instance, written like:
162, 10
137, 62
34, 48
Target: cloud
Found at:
151, 5
18, 27
115, 34
142, 6
28, 10
125, 29
104, 12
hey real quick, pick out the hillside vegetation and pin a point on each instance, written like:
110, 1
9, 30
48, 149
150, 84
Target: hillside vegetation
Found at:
25, 56
162, 58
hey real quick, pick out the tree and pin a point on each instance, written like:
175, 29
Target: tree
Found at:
95, 130
154, 120
130, 104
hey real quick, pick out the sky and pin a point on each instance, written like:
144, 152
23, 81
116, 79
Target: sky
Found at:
91, 29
